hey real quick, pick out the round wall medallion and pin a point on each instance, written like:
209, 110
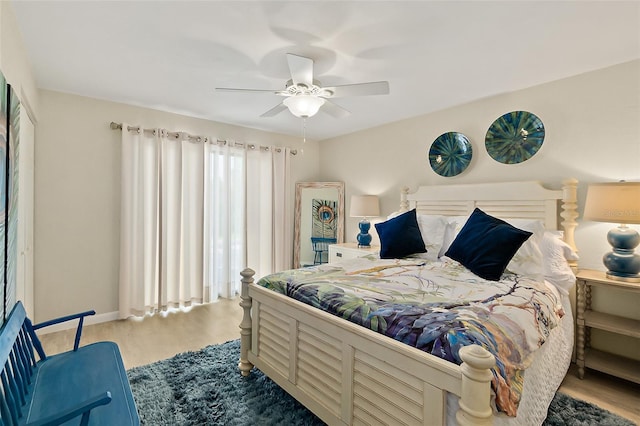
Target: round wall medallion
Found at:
450, 154
515, 137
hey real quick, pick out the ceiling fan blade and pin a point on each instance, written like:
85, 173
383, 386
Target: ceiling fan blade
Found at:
274, 111
361, 89
301, 69
335, 110
229, 89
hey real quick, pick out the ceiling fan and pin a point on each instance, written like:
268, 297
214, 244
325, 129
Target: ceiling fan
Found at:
304, 96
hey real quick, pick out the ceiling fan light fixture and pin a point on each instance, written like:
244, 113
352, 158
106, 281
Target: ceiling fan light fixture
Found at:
303, 106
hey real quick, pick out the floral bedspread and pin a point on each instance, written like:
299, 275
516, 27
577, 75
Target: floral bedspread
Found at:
437, 307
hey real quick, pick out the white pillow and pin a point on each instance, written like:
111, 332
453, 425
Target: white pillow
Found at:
555, 253
432, 228
528, 260
454, 225
394, 214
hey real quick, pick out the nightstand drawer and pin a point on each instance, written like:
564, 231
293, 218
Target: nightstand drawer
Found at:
339, 252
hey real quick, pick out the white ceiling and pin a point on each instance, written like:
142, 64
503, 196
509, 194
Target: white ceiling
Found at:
170, 55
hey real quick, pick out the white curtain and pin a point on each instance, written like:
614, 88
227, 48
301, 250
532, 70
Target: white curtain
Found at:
194, 215
269, 229
139, 220
225, 220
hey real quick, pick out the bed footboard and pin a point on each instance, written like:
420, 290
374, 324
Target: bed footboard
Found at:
347, 374
245, 326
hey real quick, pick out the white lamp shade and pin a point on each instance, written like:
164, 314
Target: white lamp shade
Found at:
365, 206
303, 105
614, 202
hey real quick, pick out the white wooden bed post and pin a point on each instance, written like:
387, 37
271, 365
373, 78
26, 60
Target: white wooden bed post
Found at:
475, 407
245, 326
404, 204
570, 214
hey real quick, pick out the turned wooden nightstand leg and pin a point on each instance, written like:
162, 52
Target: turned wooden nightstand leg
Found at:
580, 341
587, 307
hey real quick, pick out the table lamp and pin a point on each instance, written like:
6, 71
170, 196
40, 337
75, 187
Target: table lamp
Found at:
364, 206
617, 202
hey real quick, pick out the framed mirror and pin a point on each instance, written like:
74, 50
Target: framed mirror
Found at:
318, 221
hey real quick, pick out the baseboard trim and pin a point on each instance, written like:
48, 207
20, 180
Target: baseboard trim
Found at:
92, 319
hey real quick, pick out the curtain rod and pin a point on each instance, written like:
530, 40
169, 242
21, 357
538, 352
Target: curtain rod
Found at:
118, 126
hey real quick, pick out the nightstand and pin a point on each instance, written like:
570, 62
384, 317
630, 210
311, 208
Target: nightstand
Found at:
587, 319
343, 251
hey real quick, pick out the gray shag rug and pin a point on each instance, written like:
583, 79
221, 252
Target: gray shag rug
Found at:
206, 388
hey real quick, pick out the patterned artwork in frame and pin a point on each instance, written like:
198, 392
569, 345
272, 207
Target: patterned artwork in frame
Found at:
12, 185
324, 220
9, 139
4, 130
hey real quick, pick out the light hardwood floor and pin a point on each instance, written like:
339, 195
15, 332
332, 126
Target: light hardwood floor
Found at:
143, 341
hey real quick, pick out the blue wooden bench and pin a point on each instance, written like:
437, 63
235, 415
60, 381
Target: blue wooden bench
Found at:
86, 386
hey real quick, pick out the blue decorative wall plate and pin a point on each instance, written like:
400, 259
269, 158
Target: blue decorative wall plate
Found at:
450, 154
515, 137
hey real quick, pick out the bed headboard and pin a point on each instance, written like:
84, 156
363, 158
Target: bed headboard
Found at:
557, 209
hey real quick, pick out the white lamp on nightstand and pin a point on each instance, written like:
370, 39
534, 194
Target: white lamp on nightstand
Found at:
617, 202
364, 206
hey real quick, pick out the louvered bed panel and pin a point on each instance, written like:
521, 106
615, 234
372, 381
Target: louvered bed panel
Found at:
546, 211
540, 210
274, 339
319, 369
523, 200
444, 208
384, 394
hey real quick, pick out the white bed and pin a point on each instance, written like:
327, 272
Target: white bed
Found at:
285, 338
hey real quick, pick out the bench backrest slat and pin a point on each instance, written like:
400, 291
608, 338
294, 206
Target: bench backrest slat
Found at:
14, 409
24, 358
26, 335
33, 338
18, 378
7, 418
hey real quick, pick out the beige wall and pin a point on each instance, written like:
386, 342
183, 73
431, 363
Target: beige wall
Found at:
592, 124
77, 218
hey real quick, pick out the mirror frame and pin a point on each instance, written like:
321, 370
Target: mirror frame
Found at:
298, 209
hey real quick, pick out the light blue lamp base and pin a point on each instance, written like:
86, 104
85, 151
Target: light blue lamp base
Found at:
623, 264
364, 238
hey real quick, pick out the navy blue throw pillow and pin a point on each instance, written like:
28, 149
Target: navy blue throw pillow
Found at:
400, 236
486, 244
